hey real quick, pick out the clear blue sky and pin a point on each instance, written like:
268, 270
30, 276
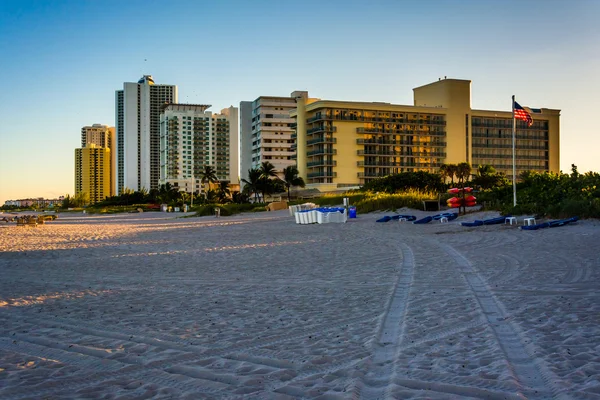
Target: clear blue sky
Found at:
63, 60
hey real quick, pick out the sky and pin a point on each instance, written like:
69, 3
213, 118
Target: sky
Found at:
63, 60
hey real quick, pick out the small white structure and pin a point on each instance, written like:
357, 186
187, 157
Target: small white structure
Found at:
320, 216
301, 207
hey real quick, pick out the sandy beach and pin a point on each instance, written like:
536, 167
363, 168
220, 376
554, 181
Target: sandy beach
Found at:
254, 306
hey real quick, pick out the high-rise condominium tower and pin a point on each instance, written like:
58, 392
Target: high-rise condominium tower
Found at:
98, 134
266, 132
102, 136
191, 138
138, 108
92, 172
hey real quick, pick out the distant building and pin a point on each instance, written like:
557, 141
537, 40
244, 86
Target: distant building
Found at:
343, 143
36, 202
102, 136
266, 132
137, 122
98, 134
191, 138
92, 172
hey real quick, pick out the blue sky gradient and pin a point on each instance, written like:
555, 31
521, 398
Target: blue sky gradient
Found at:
63, 60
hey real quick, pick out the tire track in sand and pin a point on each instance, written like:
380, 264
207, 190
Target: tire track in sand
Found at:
536, 382
388, 342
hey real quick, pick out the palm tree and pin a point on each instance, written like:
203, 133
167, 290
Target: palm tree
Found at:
451, 171
444, 172
267, 170
463, 171
223, 192
167, 193
252, 184
291, 178
485, 170
212, 196
208, 175
240, 197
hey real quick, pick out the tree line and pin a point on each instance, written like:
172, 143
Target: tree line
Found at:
261, 182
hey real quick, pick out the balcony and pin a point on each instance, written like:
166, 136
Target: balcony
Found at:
322, 163
328, 129
321, 152
376, 153
378, 142
506, 156
322, 140
414, 132
518, 136
277, 153
316, 118
508, 146
322, 174
369, 174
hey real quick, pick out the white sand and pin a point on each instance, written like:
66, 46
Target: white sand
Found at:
143, 306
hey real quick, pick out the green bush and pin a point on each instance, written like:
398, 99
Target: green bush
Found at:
384, 201
418, 180
551, 195
338, 199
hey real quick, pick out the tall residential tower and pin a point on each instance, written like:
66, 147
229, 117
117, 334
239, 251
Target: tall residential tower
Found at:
191, 138
102, 136
92, 172
138, 108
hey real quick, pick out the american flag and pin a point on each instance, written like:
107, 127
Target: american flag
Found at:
522, 114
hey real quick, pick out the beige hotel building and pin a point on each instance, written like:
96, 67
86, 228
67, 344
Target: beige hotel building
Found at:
343, 144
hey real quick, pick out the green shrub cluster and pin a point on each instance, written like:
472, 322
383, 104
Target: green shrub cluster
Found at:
385, 201
338, 199
419, 180
551, 195
115, 209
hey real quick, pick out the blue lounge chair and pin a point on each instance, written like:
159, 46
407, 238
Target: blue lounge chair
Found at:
425, 220
550, 224
474, 223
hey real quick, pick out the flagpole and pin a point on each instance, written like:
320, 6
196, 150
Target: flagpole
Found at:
514, 178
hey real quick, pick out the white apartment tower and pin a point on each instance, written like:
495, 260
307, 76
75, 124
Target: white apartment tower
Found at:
191, 138
266, 132
137, 115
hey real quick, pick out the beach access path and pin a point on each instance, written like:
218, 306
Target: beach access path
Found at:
254, 306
